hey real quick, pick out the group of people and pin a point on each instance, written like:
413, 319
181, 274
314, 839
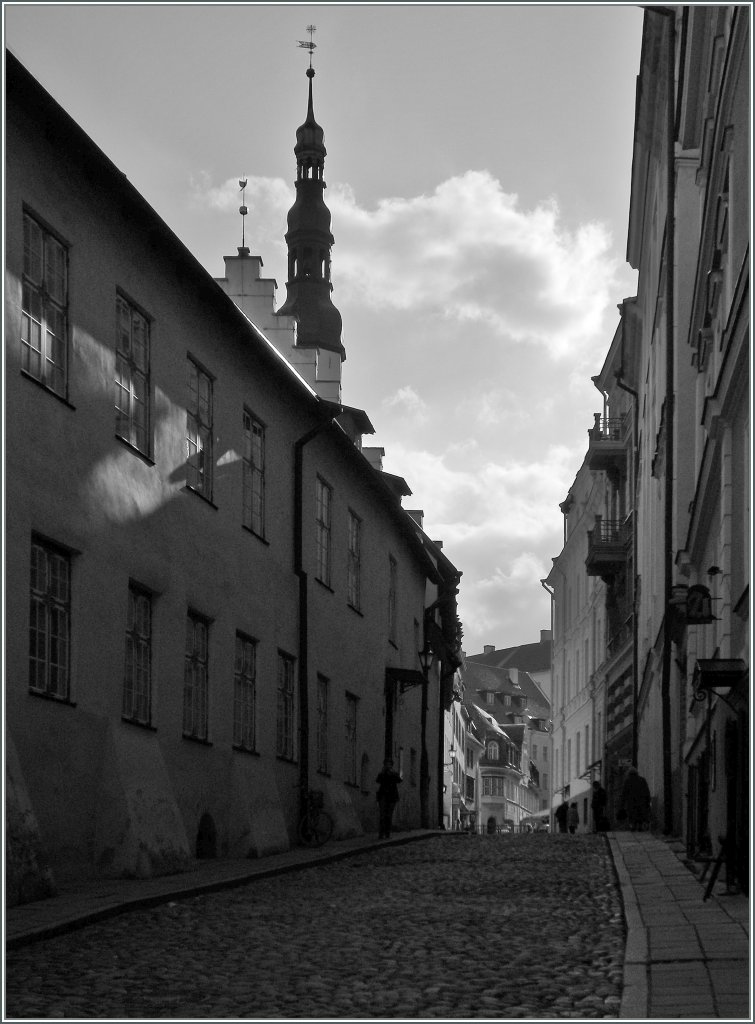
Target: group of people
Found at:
634, 807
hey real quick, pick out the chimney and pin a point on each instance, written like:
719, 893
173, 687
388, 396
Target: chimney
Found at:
417, 515
545, 636
488, 649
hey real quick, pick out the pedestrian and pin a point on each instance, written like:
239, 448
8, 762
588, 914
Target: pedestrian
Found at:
560, 815
387, 797
573, 818
635, 801
598, 804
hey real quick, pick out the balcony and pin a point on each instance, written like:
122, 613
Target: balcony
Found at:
608, 443
608, 547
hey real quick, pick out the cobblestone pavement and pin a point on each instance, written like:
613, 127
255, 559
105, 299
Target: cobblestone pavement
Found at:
455, 926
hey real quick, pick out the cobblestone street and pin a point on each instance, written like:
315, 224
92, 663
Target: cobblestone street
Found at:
455, 926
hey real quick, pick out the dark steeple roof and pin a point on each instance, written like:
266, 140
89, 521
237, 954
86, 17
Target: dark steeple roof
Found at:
309, 242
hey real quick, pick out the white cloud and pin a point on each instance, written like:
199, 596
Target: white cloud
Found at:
469, 253
407, 403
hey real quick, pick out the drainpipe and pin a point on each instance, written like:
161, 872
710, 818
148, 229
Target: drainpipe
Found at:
331, 411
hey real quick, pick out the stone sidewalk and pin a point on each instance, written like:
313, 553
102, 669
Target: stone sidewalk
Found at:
684, 958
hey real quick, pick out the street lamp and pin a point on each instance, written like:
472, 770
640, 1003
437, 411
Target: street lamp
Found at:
425, 659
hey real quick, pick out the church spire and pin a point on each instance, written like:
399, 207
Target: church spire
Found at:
309, 240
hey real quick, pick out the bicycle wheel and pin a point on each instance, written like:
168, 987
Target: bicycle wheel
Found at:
315, 828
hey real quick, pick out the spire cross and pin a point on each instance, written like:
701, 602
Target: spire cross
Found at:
309, 45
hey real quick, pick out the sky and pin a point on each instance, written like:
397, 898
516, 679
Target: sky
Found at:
478, 172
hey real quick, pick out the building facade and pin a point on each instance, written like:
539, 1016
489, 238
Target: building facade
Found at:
215, 603
670, 537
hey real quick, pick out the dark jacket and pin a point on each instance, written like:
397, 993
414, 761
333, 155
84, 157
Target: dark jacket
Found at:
388, 782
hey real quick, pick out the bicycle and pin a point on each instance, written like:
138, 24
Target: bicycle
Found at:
316, 825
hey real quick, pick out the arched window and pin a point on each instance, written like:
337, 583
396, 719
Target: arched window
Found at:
493, 751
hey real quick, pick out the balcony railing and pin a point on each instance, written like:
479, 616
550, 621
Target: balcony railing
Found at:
608, 442
607, 547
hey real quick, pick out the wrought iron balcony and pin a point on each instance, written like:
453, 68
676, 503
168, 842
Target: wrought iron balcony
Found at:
607, 547
608, 443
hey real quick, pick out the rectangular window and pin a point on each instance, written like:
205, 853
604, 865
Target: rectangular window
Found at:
195, 677
545, 754
578, 754
355, 561
137, 680
49, 620
350, 740
324, 498
322, 725
284, 746
132, 375
44, 301
412, 766
254, 475
199, 430
493, 786
392, 590
244, 693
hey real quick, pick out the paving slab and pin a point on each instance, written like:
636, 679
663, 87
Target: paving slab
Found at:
684, 957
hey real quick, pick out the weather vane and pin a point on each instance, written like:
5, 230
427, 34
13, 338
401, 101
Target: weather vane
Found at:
243, 251
309, 45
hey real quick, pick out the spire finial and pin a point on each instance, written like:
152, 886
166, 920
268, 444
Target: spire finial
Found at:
309, 46
243, 250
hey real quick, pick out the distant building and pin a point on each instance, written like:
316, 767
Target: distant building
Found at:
508, 709
534, 659
215, 602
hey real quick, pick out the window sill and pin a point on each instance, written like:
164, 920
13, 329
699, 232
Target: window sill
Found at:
139, 725
254, 533
355, 610
284, 757
323, 772
393, 644
325, 586
245, 750
196, 739
134, 450
44, 387
352, 785
52, 698
203, 497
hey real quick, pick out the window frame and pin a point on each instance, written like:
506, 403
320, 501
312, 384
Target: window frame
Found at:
285, 725
323, 530
196, 691
392, 599
323, 724
56, 610
244, 694
252, 517
47, 303
199, 462
131, 693
134, 371
354, 562
350, 724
